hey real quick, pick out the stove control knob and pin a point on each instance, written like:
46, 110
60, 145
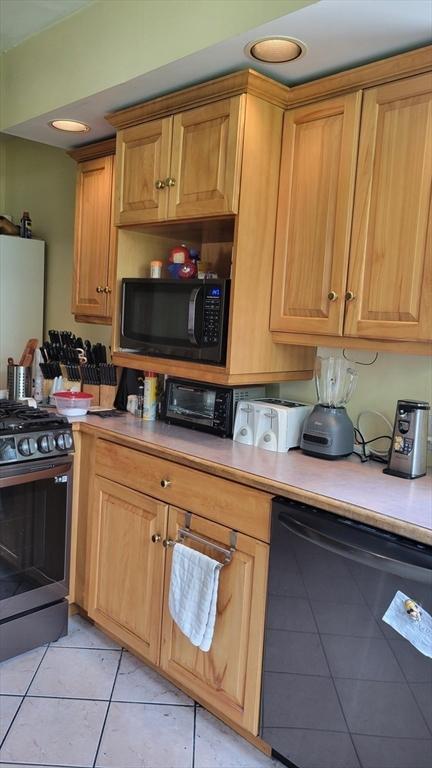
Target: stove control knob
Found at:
27, 446
64, 441
46, 443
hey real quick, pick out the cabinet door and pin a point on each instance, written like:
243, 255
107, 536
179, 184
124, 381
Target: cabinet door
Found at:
143, 156
205, 165
390, 268
94, 238
314, 216
228, 677
127, 567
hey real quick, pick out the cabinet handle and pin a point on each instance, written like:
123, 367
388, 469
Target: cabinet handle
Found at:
170, 182
349, 296
107, 289
332, 296
168, 543
165, 483
99, 289
156, 538
159, 184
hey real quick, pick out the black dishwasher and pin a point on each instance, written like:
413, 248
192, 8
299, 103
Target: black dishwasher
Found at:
341, 687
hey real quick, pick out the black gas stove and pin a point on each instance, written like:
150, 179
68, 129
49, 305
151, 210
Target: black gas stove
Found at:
27, 434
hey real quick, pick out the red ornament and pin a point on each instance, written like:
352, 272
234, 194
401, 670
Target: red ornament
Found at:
179, 255
188, 270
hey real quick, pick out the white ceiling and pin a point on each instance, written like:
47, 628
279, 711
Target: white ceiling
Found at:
20, 19
338, 34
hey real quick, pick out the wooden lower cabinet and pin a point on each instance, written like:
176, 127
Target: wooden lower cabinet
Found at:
127, 566
129, 581
228, 677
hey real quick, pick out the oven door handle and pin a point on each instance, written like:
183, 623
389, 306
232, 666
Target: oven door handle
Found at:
192, 314
31, 477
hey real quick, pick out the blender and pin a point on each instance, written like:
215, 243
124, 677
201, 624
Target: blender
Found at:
328, 431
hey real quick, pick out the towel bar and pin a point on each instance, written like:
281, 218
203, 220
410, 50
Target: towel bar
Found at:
184, 533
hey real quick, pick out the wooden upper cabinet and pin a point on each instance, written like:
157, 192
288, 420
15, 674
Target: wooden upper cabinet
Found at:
314, 216
228, 676
180, 167
95, 240
143, 156
205, 164
390, 269
127, 566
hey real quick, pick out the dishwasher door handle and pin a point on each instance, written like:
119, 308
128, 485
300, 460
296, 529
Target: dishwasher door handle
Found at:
389, 556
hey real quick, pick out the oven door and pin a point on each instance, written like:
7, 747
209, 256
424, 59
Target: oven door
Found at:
35, 509
190, 404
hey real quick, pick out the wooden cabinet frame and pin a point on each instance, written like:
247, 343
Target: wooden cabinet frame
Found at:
129, 572
381, 297
95, 237
228, 677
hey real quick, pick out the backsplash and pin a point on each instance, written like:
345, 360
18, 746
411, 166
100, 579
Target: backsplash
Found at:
379, 386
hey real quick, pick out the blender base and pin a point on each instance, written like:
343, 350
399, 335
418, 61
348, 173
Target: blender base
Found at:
328, 433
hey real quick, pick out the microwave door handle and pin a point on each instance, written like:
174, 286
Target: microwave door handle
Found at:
192, 314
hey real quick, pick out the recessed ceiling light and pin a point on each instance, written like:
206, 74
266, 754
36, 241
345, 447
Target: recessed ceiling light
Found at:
70, 125
276, 50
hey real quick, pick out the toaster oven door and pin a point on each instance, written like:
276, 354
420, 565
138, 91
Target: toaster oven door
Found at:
190, 404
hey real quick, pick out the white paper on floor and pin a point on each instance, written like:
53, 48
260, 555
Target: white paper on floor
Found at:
418, 633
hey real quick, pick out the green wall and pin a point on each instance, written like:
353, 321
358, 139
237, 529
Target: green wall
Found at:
41, 179
113, 41
392, 377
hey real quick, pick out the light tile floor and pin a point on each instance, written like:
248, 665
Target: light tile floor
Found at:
84, 702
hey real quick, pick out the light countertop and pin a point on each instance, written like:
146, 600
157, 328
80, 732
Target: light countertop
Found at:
356, 490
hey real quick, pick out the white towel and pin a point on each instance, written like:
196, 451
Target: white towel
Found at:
193, 594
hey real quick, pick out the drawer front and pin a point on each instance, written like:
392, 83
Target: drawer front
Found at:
224, 501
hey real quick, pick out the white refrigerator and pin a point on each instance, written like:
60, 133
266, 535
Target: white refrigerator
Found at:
21, 297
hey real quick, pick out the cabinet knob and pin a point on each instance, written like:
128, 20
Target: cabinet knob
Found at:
159, 184
170, 182
168, 543
107, 289
99, 289
349, 296
332, 295
165, 483
156, 538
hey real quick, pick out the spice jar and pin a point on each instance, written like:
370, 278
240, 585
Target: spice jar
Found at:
155, 268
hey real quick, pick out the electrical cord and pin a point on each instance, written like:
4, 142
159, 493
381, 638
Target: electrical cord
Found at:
363, 456
375, 451
359, 362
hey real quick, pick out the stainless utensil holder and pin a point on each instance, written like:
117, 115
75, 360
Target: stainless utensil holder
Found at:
19, 381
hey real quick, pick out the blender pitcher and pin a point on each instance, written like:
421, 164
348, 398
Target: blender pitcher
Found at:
335, 381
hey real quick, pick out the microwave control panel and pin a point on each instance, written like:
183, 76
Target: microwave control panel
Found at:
212, 314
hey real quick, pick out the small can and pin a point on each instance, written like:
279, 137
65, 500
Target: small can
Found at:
155, 268
150, 396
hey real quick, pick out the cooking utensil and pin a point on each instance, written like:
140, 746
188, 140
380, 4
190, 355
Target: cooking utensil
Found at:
19, 381
28, 354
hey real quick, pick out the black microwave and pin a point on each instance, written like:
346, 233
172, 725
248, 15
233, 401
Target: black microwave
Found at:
184, 319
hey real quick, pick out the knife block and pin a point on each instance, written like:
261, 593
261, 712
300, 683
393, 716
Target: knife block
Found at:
107, 395
93, 389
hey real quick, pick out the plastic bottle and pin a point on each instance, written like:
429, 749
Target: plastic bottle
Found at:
155, 268
150, 396
26, 225
38, 387
140, 398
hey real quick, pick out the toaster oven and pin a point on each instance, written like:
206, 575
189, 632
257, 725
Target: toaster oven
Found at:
208, 407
